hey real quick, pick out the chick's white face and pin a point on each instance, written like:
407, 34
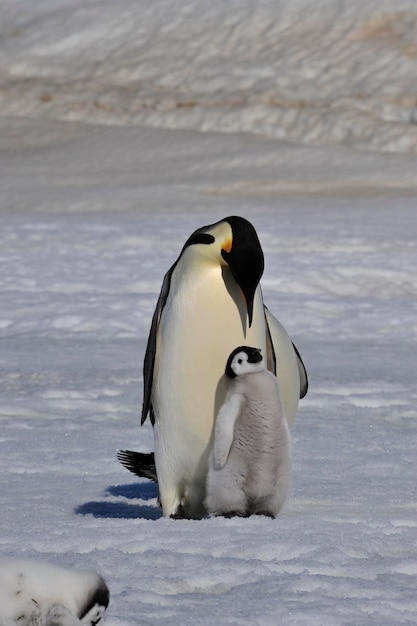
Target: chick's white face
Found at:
244, 363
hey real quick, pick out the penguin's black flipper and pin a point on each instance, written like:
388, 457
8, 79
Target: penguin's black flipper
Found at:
140, 463
150, 354
303, 373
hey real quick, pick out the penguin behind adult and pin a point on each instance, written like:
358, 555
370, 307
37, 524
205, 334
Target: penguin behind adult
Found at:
39, 593
210, 301
250, 464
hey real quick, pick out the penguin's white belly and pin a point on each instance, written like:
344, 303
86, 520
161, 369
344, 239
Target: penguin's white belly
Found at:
197, 332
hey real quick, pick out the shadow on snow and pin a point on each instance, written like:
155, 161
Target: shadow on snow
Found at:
125, 510
134, 491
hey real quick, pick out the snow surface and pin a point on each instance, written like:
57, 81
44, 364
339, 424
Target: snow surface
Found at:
89, 224
90, 219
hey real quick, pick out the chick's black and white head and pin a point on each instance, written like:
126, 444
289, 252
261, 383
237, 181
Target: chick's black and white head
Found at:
96, 599
244, 360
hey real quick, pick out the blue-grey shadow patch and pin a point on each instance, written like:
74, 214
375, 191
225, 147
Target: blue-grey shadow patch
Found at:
134, 491
125, 510
119, 510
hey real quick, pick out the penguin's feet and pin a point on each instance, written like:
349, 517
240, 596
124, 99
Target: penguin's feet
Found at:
230, 514
266, 514
179, 513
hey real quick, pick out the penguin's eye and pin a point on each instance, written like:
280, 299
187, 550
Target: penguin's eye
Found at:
240, 361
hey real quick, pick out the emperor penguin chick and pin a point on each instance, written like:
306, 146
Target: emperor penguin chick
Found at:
250, 463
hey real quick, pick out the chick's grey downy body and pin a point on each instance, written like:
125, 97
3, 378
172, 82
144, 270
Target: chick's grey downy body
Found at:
250, 465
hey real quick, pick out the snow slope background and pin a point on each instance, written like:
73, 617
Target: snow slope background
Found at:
91, 216
310, 70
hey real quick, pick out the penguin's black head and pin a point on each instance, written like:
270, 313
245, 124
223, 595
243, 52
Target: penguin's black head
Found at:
245, 259
234, 242
96, 603
244, 360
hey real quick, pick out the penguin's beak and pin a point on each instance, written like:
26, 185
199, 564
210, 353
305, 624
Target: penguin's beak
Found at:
245, 259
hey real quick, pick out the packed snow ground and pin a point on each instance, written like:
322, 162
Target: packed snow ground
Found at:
91, 218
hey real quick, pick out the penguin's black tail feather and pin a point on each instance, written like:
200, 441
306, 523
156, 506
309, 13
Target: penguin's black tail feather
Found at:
140, 463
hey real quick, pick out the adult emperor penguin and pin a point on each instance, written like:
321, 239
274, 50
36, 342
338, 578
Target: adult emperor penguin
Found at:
250, 464
210, 302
